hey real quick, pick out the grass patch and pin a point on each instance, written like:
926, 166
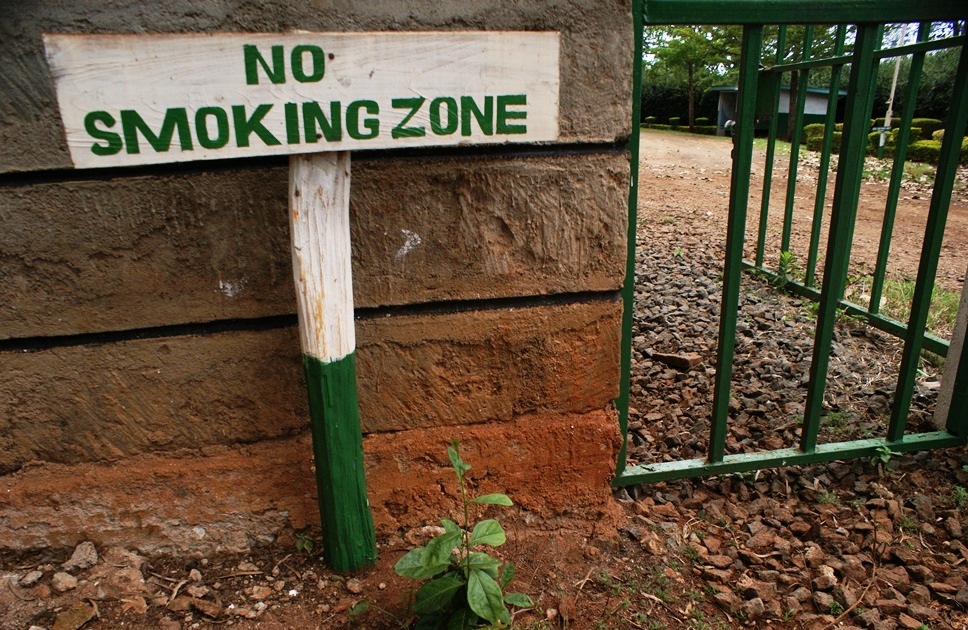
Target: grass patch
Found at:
780, 148
896, 301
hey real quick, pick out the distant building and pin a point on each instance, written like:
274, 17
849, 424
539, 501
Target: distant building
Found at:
815, 110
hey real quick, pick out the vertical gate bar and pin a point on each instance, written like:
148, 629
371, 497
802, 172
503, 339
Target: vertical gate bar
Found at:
826, 149
931, 249
897, 171
735, 233
628, 287
878, 41
846, 195
770, 150
802, 80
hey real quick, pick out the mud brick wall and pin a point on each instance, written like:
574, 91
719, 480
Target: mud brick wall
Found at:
151, 388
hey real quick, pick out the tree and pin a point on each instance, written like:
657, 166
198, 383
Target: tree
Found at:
688, 48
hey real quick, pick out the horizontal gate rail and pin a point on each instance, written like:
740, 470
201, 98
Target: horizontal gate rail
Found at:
744, 462
799, 11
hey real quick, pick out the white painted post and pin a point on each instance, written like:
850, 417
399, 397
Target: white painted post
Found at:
319, 215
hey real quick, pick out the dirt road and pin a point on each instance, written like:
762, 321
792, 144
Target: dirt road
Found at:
680, 171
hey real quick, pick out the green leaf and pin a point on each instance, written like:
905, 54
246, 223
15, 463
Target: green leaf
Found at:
415, 565
482, 561
361, 607
450, 527
428, 622
493, 499
488, 532
436, 594
507, 574
460, 467
518, 599
462, 619
484, 597
439, 549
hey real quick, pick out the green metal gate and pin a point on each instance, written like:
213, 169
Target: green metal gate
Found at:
862, 21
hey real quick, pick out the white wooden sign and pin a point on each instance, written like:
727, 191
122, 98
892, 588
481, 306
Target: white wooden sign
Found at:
147, 99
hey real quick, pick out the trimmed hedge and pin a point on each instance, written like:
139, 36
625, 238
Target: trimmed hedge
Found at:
813, 130
928, 126
924, 151
938, 135
674, 121
815, 143
702, 121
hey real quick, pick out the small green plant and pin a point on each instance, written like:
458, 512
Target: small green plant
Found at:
835, 423
678, 253
907, 524
883, 456
836, 609
690, 553
785, 267
960, 496
304, 543
828, 497
466, 586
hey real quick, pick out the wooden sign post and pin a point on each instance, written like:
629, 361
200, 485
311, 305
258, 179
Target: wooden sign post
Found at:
147, 99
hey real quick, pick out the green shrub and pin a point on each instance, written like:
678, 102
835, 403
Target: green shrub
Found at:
874, 141
938, 135
674, 121
702, 120
839, 127
927, 125
813, 130
815, 143
964, 151
658, 126
915, 134
706, 130
924, 151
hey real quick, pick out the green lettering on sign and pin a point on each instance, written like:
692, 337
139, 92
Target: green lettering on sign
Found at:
436, 125
245, 127
313, 116
113, 140
276, 71
318, 63
372, 125
175, 118
503, 115
402, 131
205, 139
485, 119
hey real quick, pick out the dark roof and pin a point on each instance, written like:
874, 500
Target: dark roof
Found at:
785, 88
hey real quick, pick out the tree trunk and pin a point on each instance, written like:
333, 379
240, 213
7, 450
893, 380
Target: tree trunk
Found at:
692, 102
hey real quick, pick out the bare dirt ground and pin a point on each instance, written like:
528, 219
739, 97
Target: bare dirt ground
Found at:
872, 544
691, 173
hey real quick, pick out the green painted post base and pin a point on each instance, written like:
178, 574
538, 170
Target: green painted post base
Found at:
349, 539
